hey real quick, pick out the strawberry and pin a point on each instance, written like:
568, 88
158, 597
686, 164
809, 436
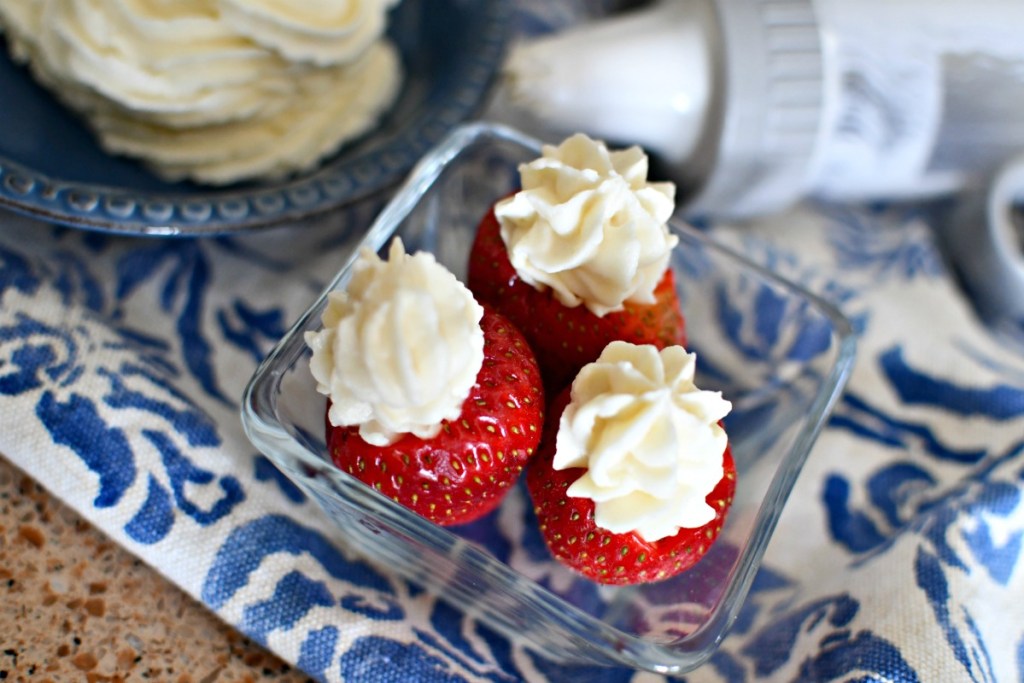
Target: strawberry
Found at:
567, 523
563, 338
465, 471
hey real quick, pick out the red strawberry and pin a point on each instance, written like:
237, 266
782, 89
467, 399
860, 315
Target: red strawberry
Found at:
466, 470
565, 339
574, 539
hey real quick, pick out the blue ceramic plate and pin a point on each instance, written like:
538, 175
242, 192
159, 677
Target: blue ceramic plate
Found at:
52, 167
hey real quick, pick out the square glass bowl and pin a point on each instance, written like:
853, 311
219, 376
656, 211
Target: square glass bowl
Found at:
780, 354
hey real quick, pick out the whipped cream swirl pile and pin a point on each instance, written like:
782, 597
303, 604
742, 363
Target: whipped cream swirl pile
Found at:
588, 225
649, 440
213, 90
400, 349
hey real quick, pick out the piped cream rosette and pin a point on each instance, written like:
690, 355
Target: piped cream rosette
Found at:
213, 90
648, 437
588, 225
400, 348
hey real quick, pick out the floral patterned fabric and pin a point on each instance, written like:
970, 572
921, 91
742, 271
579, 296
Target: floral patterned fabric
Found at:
898, 557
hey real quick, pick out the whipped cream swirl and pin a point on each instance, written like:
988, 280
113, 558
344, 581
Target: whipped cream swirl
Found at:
649, 440
400, 349
213, 90
318, 31
588, 225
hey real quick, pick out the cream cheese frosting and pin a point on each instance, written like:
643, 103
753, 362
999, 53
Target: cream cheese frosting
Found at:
588, 225
649, 439
318, 31
323, 109
400, 348
213, 90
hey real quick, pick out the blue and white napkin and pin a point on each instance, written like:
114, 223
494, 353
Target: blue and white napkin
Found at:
898, 557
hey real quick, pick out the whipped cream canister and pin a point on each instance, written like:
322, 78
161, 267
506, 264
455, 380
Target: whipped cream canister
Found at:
753, 104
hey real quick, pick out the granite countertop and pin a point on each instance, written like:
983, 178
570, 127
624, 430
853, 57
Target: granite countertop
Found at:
75, 606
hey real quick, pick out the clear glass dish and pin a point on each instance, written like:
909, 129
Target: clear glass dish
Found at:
780, 354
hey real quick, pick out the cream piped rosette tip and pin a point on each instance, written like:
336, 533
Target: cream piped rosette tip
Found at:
648, 437
588, 225
400, 349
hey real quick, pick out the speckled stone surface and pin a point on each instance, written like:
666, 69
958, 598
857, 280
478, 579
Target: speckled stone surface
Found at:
76, 607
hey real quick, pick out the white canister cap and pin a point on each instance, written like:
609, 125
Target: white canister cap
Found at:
643, 77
